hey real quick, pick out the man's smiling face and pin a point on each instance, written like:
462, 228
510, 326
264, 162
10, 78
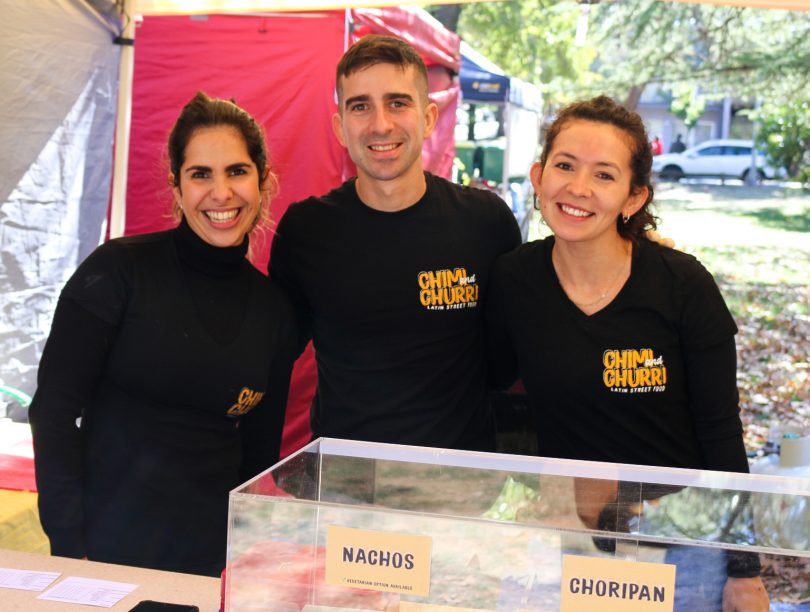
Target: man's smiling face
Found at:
383, 120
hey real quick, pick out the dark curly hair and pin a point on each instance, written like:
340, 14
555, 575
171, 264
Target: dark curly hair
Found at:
603, 109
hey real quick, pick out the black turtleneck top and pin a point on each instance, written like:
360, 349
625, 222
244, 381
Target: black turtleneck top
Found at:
176, 354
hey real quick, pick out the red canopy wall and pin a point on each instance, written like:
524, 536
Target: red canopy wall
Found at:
280, 68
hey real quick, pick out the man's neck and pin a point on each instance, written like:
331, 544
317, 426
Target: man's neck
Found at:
391, 196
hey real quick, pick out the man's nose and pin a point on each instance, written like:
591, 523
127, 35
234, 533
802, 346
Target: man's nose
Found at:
381, 121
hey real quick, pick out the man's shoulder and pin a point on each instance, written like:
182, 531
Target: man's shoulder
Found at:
464, 194
475, 207
336, 197
479, 211
314, 213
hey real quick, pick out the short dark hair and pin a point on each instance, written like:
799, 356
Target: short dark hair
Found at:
603, 109
375, 49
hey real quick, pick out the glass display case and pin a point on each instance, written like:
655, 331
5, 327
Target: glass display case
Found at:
360, 526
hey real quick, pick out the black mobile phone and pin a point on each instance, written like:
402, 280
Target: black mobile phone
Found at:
148, 605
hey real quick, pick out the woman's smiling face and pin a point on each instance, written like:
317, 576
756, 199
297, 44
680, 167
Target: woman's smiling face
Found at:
219, 186
586, 182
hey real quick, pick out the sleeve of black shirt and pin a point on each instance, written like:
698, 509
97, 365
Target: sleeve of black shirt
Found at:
502, 367
261, 429
71, 365
502, 364
510, 237
714, 401
282, 271
714, 404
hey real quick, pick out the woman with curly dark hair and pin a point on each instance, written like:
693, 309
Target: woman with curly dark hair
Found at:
625, 347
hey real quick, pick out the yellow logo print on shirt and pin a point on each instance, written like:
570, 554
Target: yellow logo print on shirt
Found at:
634, 371
448, 289
248, 399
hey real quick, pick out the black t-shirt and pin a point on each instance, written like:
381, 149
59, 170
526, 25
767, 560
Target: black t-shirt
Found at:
650, 379
176, 355
394, 302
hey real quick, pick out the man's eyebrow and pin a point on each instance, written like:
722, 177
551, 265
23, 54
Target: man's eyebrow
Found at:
398, 96
354, 99
394, 95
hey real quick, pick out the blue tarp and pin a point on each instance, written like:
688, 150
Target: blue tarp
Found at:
484, 82
481, 80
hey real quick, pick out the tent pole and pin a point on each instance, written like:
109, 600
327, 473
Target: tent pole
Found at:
122, 125
507, 112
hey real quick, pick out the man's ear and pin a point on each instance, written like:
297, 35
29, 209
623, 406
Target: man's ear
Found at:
431, 117
337, 128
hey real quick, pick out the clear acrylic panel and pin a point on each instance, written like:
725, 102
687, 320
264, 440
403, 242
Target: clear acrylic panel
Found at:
503, 527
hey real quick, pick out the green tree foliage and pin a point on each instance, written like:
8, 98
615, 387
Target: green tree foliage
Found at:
532, 40
784, 132
687, 104
716, 50
719, 50
697, 52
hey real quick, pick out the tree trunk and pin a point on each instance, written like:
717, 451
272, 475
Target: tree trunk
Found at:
634, 96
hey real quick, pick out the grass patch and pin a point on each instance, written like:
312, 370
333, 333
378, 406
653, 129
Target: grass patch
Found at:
775, 218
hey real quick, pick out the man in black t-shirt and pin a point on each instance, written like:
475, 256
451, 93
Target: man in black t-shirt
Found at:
389, 270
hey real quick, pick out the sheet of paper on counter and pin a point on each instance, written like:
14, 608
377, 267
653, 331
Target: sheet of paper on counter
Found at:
26, 580
89, 592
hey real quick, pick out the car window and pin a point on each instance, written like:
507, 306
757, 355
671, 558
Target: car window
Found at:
738, 151
710, 151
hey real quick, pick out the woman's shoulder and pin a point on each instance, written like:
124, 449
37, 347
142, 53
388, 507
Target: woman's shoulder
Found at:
528, 253
128, 246
678, 274
679, 264
114, 262
526, 262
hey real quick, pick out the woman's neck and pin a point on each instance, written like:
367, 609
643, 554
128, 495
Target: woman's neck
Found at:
592, 274
197, 254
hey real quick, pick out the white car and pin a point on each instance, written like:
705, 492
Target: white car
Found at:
721, 158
